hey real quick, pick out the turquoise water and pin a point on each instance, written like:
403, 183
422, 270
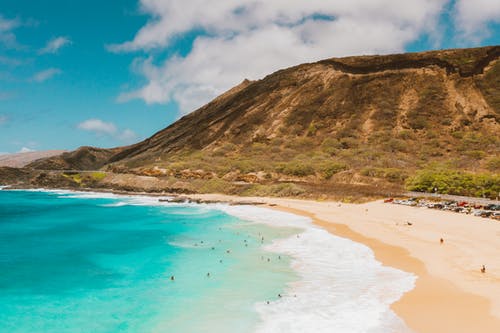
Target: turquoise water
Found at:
75, 264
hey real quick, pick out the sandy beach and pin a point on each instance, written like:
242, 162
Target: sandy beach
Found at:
451, 294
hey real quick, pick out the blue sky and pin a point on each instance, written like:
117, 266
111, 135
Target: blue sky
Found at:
109, 73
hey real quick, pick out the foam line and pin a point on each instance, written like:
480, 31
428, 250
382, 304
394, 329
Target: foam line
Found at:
342, 287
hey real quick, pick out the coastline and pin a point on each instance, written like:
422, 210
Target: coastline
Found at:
446, 297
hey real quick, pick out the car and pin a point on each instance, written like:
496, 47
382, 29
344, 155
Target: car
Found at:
492, 207
478, 212
486, 214
436, 206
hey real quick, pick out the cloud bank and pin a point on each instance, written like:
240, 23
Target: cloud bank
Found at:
473, 17
252, 38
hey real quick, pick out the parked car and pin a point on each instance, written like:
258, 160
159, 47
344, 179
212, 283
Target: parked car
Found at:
478, 213
486, 214
492, 207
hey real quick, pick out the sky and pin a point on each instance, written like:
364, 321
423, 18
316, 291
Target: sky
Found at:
110, 73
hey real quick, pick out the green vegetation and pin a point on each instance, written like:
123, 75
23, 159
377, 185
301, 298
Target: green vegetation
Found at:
455, 182
296, 168
76, 177
98, 176
331, 168
84, 179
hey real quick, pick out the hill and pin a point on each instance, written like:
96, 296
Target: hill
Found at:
19, 160
356, 124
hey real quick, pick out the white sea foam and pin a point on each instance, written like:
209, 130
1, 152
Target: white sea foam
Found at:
115, 204
125, 199
342, 288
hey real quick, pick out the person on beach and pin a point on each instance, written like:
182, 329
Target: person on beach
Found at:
483, 269
441, 240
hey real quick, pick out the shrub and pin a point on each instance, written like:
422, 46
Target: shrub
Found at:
493, 164
98, 176
295, 168
455, 182
330, 146
300, 144
329, 169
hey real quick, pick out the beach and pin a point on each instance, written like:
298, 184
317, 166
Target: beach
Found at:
378, 261
451, 294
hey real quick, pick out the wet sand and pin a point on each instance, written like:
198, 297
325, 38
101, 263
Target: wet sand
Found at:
451, 294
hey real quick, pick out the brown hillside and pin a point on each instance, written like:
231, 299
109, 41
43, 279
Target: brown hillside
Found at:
84, 158
350, 120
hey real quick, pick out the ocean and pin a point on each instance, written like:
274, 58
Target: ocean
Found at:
93, 262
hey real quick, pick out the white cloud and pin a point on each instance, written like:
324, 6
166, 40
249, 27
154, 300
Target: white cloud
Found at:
97, 126
46, 74
26, 150
472, 18
8, 24
252, 38
7, 37
101, 127
127, 135
55, 44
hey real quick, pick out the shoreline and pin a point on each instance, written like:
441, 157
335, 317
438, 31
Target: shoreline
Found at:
420, 307
310, 249
437, 303
440, 301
